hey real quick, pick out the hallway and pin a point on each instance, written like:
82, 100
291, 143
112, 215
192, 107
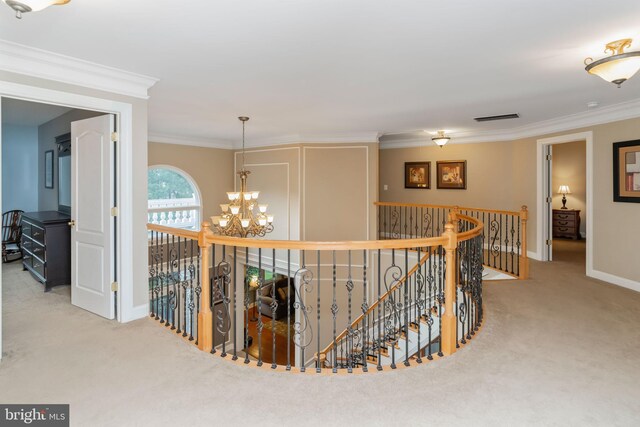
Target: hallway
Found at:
558, 349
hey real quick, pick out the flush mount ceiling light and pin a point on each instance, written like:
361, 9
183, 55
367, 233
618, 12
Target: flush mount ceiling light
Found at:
24, 6
617, 68
441, 139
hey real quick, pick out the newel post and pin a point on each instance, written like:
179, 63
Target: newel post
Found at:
205, 317
524, 259
448, 338
453, 218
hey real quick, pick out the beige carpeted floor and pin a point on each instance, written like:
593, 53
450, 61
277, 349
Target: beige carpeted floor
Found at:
559, 349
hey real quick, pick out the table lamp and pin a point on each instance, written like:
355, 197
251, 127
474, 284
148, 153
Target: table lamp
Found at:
564, 190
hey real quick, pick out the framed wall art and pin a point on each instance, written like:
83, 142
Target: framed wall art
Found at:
48, 169
451, 174
417, 175
626, 171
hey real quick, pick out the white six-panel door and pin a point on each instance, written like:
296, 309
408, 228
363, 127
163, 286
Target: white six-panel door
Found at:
91, 196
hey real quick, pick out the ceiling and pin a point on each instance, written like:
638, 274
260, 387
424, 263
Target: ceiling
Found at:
328, 69
23, 113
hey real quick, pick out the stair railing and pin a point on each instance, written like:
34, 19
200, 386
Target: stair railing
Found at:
505, 232
317, 294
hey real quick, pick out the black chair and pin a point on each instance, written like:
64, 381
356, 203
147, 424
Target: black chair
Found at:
11, 234
282, 290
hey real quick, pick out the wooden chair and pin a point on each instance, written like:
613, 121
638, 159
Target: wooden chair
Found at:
11, 234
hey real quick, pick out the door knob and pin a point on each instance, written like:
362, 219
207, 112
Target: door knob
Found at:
72, 223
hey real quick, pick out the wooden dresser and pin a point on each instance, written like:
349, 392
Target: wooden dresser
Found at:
46, 245
566, 223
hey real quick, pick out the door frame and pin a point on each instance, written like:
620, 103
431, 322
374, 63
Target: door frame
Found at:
123, 112
542, 226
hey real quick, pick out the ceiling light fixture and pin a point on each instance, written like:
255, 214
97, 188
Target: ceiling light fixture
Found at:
24, 6
617, 68
441, 139
237, 217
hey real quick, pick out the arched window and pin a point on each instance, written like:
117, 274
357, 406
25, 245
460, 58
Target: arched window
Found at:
173, 198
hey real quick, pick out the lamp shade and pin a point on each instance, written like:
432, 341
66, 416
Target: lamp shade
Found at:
441, 139
617, 68
564, 189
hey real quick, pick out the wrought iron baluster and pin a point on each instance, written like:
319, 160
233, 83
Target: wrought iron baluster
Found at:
441, 278
289, 309
334, 309
274, 308
234, 283
365, 309
194, 244
406, 306
212, 292
519, 250
245, 283
260, 325
318, 367
379, 303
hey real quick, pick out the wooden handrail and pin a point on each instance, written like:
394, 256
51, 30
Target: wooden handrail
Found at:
324, 246
178, 232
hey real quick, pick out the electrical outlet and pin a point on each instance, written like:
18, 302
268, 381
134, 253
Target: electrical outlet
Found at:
385, 187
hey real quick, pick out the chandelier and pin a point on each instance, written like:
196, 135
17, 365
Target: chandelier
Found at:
238, 217
617, 68
24, 6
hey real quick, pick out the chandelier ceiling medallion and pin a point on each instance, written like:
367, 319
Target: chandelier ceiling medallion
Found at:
24, 6
238, 217
441, 139
617, 68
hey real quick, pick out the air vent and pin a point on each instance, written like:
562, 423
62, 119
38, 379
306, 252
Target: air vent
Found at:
501, 117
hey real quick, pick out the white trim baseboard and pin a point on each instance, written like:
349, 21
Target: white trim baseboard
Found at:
137, 312
616, 280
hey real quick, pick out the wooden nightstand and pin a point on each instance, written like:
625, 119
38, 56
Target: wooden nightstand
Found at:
566, 223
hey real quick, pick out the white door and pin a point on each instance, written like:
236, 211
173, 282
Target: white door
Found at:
91, 195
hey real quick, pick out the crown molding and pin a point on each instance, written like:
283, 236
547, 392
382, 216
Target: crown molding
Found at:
194, 142
21, 59
612, 113
361, 137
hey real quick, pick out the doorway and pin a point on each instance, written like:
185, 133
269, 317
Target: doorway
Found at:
574, 155
126, 308
44, 147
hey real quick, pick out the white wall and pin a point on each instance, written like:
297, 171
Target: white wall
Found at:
20, 168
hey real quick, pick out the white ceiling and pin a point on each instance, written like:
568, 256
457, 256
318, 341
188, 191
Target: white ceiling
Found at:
23, 113
326, 69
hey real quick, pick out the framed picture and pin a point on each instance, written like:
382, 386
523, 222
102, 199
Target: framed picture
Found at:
626, 171
417, 175
48, 169
451, 174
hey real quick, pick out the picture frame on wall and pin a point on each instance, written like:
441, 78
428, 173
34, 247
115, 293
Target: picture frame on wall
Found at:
48, 169
626, 171
417, 175
451, 175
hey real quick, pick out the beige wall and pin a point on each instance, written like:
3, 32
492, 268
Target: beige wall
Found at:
316, 191
139, 174
502, 175
570, 168
210, 168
